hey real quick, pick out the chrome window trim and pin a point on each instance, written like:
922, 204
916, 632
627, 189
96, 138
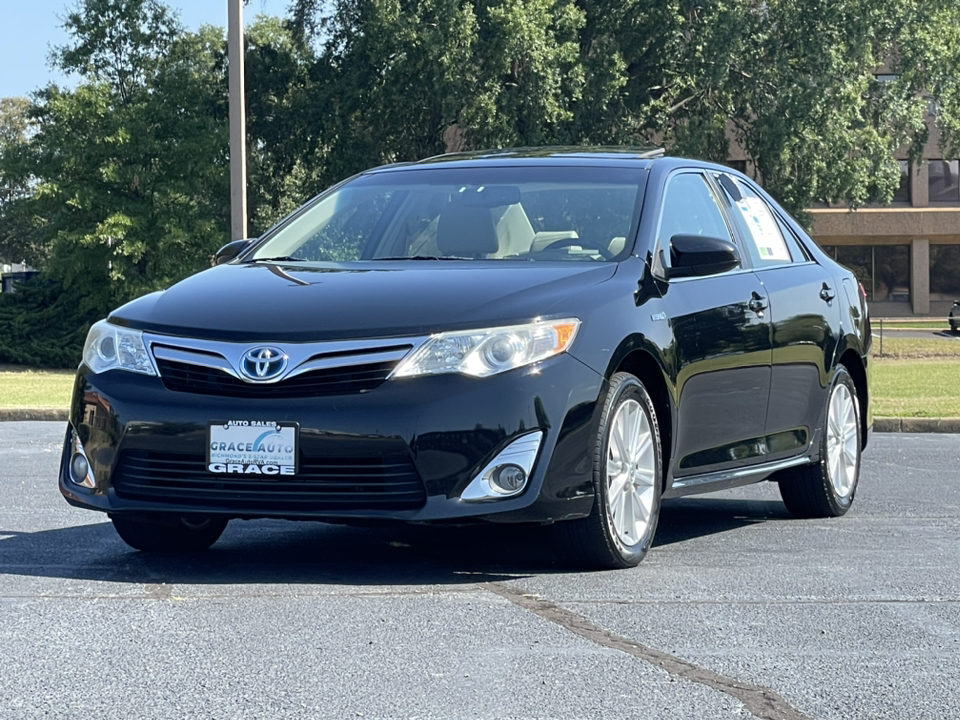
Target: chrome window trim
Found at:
303, 357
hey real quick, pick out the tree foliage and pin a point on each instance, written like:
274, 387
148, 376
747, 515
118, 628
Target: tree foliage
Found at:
119, 186
40, 325
127, 170
792, 81
17, 237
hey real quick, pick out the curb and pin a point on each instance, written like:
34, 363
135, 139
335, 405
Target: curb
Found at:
917, 425
880, 424
33, 414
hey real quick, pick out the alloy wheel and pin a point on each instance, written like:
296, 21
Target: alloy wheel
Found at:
630, 473
842, 441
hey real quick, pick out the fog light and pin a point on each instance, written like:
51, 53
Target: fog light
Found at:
508, 473
508, 479
79, 468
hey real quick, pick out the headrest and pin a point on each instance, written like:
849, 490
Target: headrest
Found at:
466, 230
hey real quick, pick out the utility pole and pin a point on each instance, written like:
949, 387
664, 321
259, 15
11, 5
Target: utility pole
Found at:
238, 122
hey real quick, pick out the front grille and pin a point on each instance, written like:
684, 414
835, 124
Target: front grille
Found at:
184, 377
368, 483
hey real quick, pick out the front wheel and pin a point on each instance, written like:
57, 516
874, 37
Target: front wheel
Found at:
179, 534
826, 489
627, 468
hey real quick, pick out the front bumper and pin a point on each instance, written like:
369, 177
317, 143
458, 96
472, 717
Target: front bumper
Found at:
403, 451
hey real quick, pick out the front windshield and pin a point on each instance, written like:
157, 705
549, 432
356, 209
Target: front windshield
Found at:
534, 213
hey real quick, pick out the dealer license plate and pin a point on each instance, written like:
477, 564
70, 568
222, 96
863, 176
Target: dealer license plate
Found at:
252, 448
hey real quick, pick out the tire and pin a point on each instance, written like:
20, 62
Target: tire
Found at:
175, 535
827, 488
620, 529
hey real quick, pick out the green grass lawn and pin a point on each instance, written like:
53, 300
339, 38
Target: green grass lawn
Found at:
913, 378
916, 388
26, 388
939, 325
916, 377
898, 348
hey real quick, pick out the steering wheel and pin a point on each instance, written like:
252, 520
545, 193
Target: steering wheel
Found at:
582, 242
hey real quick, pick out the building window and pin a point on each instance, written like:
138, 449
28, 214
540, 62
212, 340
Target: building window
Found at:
945, 272
883, 270
738, 165
943, 183
902, 194
891, 273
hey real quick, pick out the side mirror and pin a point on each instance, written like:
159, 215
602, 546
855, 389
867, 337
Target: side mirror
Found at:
231, 250
696, 256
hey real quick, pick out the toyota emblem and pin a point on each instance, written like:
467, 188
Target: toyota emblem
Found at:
263, 363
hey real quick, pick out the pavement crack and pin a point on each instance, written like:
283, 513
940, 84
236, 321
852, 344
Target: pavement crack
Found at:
762, 702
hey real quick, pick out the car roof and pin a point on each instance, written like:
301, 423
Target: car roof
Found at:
635, 157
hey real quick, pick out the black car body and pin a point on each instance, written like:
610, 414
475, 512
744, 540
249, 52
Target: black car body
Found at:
484, 337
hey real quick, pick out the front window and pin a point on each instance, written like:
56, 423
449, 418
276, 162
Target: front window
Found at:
542, 213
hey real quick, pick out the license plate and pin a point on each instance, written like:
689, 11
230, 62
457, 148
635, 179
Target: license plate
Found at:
252, 448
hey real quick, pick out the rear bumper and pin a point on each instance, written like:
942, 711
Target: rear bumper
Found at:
404, 451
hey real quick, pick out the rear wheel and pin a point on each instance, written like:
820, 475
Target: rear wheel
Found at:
826, 489
179, 534
627, 470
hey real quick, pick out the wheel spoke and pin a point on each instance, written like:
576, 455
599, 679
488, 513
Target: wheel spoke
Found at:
623, 525
617, 482
636, 526
617, 445
644, 446
835, 469
645, 501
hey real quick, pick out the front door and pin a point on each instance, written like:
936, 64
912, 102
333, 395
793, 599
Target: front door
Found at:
722, 342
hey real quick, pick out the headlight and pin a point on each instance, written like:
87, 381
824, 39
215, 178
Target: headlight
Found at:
111, 346
487, 352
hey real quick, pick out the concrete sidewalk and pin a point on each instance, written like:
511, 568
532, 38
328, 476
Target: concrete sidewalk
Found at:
880, 424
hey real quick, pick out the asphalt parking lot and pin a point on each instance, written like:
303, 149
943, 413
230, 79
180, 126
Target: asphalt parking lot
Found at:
738, 612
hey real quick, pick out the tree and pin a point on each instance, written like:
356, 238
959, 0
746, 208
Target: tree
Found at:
17, 241
282, 115
792, 81
128, 171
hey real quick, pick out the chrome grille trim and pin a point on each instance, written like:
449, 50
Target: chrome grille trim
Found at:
324, 363
303, 357
217, 362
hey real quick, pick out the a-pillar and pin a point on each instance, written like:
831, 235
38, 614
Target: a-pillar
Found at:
920, 276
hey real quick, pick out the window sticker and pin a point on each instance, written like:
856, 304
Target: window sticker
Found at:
766, 235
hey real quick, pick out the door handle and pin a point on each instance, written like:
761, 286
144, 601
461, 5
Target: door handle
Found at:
757, 303
826, 293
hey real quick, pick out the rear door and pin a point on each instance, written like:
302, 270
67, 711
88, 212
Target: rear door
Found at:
805, 316
721, 340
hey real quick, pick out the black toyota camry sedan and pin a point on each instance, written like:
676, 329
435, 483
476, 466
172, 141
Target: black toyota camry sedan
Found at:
550, 336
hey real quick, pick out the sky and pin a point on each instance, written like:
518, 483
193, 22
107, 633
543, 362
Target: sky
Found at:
29, 28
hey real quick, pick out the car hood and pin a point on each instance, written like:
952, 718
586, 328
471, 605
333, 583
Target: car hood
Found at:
298, 303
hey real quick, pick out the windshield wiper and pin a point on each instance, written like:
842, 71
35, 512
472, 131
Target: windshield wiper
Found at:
422, 257
282, 258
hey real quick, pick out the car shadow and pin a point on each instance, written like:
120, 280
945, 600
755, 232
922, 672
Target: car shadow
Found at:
278, 552
690, 518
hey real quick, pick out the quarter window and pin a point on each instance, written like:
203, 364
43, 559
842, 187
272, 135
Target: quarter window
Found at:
761, 229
